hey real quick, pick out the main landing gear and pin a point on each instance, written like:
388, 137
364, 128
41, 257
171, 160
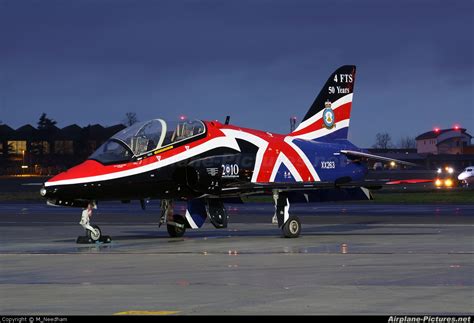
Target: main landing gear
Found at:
289, 224
197, 210
175, 224
177, 227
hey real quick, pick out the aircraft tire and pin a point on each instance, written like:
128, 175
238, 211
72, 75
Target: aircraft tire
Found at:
292, 227
174, 231
92, 236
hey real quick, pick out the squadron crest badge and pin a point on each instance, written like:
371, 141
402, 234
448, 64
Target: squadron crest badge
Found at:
328, 116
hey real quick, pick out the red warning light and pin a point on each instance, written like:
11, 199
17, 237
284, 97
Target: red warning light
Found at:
182, 117
456, 127
436, 129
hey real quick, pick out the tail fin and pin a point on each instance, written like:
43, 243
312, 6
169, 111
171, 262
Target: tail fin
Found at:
329, 115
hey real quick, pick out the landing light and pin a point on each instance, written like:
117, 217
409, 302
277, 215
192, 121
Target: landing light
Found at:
392, 164
448, 182
439, 170
438, 182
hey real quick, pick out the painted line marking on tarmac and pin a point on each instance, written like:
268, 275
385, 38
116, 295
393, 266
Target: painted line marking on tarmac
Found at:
147, 313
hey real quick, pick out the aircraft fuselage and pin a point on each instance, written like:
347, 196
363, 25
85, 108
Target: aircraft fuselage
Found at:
208, 165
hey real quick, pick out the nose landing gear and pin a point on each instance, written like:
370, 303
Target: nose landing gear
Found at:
93, 232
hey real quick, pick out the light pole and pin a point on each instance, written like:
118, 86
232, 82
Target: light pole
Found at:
22, 162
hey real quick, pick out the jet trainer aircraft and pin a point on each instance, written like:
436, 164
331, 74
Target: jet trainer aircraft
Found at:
207, 163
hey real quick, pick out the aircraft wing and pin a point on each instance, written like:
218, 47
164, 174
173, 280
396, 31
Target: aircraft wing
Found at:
299, 186
358, 154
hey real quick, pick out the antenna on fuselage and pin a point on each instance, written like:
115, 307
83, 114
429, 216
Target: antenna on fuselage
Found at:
227, 120
292, 124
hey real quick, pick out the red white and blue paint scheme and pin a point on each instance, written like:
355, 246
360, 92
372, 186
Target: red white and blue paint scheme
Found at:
207, 163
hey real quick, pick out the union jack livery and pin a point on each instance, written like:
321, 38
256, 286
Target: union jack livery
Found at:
207, 163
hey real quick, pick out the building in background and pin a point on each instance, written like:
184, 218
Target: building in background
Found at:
434, 149
28, 150
443, 141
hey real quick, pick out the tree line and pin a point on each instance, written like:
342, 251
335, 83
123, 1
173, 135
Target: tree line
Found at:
383, 140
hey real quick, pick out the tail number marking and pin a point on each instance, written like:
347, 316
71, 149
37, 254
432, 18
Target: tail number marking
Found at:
328, 165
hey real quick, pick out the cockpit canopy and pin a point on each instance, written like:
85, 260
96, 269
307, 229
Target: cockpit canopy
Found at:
144, 137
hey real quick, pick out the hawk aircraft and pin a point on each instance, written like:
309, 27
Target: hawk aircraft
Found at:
208, 163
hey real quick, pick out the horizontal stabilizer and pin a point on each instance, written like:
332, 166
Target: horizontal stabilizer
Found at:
358, 154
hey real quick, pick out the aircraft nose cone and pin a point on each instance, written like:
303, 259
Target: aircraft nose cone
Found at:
462, 176
87, 169
48, 192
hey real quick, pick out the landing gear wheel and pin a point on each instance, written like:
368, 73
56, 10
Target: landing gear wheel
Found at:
94, 236
174, 231
292, 227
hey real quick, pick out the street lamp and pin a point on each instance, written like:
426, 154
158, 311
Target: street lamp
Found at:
23, 166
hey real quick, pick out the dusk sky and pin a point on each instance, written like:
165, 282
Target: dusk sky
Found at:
91, 61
